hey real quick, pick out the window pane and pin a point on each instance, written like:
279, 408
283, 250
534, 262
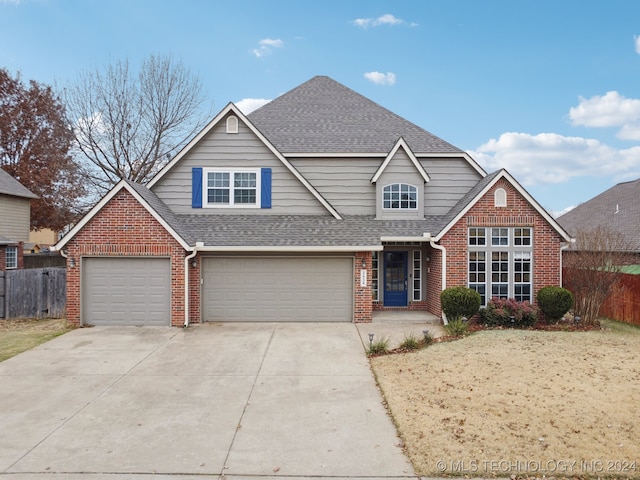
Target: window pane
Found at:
400, 196
218, 195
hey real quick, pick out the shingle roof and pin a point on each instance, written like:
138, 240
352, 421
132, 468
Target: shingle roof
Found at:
322, 115
299, 231
11, 186
617, 209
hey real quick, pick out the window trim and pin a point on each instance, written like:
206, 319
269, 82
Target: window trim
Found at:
514, 253
14, 263
375, 278
412, 189
231, 172
416, 267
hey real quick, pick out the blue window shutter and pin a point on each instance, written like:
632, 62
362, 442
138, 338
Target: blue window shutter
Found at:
196, 187
265, 188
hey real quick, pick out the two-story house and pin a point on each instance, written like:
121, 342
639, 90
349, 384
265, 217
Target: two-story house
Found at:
319, 206
15, 218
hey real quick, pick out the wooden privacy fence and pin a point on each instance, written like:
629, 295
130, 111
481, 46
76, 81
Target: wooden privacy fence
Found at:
623, 303
33, 293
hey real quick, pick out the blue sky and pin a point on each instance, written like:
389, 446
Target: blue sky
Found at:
549, 90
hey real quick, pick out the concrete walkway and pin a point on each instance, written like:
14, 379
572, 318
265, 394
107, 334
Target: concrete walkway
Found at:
219, 400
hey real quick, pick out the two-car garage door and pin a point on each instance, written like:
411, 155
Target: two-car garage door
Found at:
278, 289
126, 291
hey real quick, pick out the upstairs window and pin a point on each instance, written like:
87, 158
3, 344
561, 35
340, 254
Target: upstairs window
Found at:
232, 189
400, 196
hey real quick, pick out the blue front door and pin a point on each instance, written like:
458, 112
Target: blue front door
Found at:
395, 279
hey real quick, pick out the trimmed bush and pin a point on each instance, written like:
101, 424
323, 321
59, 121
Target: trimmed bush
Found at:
554, 302
458, 302
509, 313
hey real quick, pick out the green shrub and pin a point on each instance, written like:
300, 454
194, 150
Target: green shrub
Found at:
379, 346
456, 327
509, 313
554, 302
410, 342
460, 302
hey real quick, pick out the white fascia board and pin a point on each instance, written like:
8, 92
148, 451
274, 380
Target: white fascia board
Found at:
401, 143
301, 249
106, 199
335, 154
506, 175
236, 111
191, 144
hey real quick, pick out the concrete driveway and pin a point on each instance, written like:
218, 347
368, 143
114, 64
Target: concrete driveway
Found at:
234, 400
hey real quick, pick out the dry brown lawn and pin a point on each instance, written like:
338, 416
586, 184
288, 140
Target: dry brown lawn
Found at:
17, 336
529, 403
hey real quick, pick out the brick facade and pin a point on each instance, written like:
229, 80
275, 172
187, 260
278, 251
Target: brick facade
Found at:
123, 227
518, 213
362, 304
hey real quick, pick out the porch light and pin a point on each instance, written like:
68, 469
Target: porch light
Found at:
194, 263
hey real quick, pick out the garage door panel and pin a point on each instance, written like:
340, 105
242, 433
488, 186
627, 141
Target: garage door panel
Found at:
278, 289
126, 291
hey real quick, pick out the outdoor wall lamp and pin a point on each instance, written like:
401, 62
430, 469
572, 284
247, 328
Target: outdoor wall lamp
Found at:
194, 263
72, 263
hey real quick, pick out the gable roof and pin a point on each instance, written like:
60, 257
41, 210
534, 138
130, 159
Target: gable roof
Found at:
11, 186
145, 197
324, 116
401, 144
231, 108
616, 209
480, 189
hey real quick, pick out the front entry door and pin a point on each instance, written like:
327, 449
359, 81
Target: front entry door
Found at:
395, 279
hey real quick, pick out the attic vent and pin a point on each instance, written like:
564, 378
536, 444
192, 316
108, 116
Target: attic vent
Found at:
500, 198
232, 124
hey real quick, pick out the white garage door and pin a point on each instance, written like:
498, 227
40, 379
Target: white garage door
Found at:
126, 291
278, 289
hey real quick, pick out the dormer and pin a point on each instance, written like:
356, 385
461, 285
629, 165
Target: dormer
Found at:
400, 182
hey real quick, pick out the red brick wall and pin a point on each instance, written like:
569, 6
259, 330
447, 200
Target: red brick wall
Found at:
363, 306
125, 228
518, 212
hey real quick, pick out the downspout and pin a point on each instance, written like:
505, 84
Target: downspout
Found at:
193, 253
444, 268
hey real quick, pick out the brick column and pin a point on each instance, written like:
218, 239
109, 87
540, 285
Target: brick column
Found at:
363, 304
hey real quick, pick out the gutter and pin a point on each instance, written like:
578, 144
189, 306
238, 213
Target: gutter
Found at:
194, 252
444, 267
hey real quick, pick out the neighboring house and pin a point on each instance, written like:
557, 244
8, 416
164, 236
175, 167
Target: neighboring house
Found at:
319, 206
15, 218
42, 239
615, 210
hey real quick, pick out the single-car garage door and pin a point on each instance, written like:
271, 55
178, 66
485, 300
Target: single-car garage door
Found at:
278, 289
126, 291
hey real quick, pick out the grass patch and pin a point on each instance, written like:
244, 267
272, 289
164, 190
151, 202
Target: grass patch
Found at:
17, 336
518, 396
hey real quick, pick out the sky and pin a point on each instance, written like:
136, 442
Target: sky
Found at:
548, 89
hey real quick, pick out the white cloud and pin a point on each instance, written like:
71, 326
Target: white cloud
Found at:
386, 19
609, 110
248, 105
381, 78
553, 158
636, 41
266, 45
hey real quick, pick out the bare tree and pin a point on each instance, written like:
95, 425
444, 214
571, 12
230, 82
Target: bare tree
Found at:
594, 268
129, 125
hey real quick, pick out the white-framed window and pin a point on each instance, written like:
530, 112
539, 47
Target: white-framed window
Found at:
374, 276
477, 237
400, 196
238, 188
500, 197
11, 258
478, 273
417, 275
232, 124
502, 267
